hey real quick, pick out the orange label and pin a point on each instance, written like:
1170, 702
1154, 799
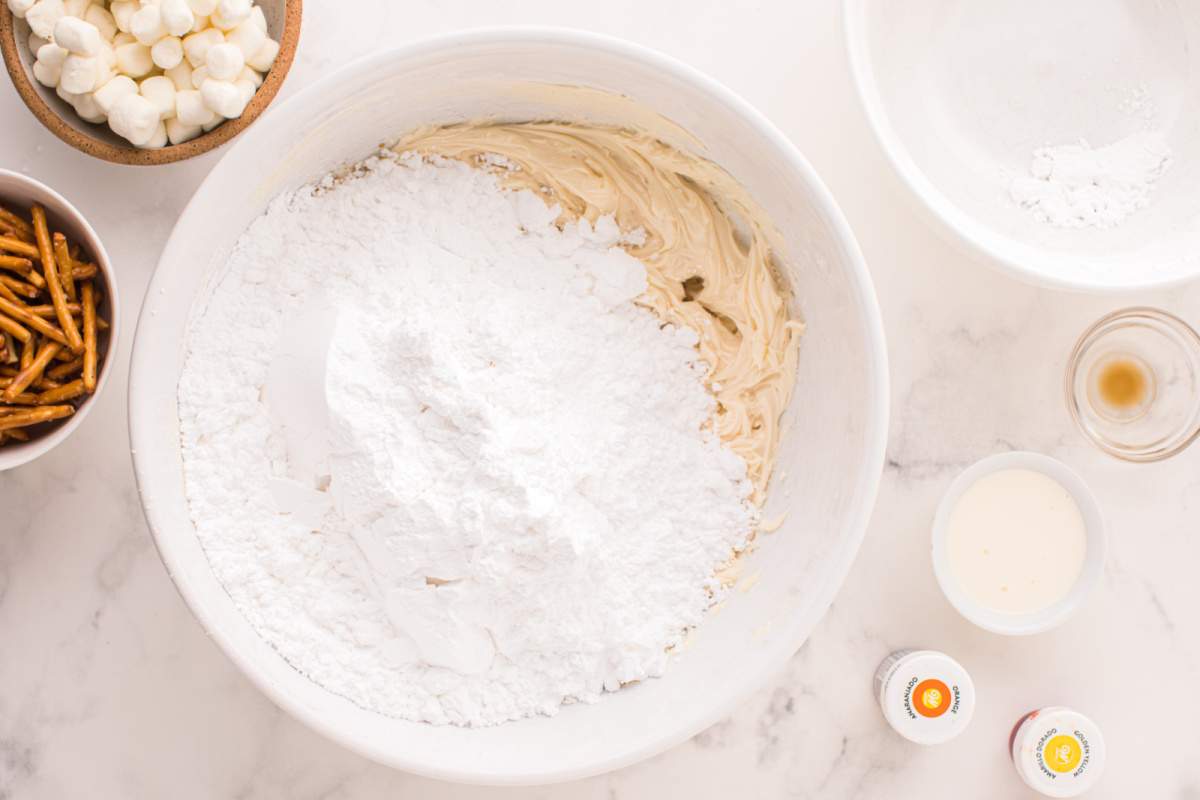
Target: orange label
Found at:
931, 698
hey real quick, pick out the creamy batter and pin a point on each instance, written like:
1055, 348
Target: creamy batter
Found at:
705, 250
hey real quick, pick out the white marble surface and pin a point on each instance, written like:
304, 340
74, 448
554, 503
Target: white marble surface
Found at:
109, 689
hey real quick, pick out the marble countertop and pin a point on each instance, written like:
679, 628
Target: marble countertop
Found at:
110, 689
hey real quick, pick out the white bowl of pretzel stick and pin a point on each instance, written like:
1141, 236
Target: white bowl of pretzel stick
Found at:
55, 343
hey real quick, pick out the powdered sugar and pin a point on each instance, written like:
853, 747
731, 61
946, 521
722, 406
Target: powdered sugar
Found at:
502, 492
1078, 186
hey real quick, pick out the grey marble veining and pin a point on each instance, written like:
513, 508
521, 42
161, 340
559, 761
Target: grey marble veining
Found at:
109, 688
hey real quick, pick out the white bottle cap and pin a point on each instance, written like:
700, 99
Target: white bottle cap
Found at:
1058, 752
926, 696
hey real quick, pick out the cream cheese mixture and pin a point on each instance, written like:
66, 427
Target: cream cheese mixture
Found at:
469, 430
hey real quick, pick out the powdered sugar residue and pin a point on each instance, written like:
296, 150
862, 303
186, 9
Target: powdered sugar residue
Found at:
1078, 186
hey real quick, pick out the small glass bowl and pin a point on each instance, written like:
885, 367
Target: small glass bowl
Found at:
1160, 354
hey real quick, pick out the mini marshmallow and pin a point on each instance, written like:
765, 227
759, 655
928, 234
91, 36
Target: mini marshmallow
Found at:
258, 19
65, 96
190, 108
178, 133
75, 8
103, 20
230, 13
122, 12
201, 23
147, 25
224, 61
177, 17
247, 88
52, 55
265, 57
248, 38
196, 46
78, 36
167, 52
87, 108
181, 76
223, 97
124, 38
215, 123
107, 54
20, 8
202, 8
46, 75
79, 73
112, 91
134, 60
43, 15
157, 139
160, 90
248, 74
135, 118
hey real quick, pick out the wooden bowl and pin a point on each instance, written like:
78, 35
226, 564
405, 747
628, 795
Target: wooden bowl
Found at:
283, 25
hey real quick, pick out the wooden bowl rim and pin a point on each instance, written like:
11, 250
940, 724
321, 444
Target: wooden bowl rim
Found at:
135, 156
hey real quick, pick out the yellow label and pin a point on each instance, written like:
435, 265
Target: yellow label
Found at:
1062, 753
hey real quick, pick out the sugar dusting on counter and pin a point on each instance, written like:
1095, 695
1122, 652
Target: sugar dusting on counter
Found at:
505, 491
1080, 186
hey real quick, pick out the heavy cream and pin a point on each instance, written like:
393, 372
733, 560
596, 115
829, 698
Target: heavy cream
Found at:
1016, 541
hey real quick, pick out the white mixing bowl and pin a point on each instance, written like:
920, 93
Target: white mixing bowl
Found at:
832, 452
961, 94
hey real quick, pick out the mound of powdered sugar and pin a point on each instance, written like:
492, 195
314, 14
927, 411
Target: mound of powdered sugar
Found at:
439, 457
1080, 186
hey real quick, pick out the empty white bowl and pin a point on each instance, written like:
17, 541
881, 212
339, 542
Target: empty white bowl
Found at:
960, 94
18, 192
835, 428
1093, 565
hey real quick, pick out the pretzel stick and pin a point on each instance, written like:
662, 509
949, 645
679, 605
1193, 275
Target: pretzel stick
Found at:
24, 268
42, 383
16, 223
65, 370
83, 272
17, 434
16, 263
18, 312
31, 373
66, 264
17, 246
28, 351
67, 391
14, 329
26, 290
34, 416
53, 281
90, 353
8, 295
48, 312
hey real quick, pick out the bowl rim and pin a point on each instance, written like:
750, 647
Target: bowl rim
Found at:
26, 453
136, 156
1028, 263
1093, 566
787, 637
